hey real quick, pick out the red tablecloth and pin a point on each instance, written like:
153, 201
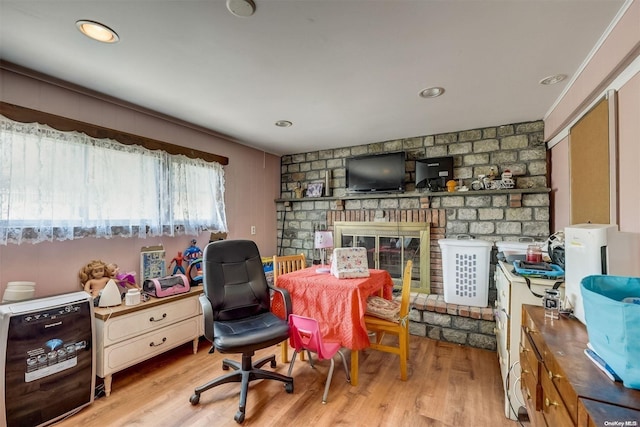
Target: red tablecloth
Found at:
337, 304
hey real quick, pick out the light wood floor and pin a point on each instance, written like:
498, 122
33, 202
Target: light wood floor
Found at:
449, 385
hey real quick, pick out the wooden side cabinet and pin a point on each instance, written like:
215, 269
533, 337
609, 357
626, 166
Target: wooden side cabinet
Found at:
561, 385
126, 335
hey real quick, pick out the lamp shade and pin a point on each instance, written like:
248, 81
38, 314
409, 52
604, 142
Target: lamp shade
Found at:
323, 239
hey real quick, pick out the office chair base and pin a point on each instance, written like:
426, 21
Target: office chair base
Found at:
244, 373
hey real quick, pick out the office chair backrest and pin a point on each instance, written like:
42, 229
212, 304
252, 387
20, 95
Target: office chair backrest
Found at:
234, 280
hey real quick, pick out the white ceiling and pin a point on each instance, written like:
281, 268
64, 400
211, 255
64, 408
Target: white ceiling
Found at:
344, 72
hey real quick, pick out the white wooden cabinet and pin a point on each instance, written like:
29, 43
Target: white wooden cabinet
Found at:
126, 335
513, 292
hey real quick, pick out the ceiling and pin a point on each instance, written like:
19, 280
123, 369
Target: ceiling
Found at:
343, 72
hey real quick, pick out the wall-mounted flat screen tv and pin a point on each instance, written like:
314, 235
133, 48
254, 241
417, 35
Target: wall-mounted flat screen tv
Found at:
433, 173
376, 173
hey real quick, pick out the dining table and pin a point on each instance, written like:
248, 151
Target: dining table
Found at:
338, 305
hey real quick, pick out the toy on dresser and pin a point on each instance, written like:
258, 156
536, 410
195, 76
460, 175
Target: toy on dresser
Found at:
105, 283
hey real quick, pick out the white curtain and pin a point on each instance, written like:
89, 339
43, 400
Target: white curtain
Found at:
65, 185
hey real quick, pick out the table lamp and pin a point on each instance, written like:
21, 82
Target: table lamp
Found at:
322, 241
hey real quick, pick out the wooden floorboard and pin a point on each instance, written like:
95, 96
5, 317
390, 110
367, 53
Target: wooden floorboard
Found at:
449, 386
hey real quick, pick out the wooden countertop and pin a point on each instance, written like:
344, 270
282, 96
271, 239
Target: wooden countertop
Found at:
566, 338
104, 313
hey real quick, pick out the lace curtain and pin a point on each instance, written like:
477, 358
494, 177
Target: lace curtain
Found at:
58, 185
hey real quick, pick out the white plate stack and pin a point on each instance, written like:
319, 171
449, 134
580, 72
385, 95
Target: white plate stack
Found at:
19, 291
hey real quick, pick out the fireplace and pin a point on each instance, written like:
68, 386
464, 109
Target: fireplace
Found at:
389, 246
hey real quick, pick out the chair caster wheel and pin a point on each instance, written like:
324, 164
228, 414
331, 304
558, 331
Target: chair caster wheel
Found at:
288, 388
225, 367
195, 399
239, 418
273, 364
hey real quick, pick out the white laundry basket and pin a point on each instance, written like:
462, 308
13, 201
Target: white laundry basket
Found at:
465, 271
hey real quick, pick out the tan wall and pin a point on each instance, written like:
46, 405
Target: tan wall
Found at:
629, 155
614, 55
618, 55
252, 184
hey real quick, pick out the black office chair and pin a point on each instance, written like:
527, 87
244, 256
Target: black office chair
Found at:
237, 315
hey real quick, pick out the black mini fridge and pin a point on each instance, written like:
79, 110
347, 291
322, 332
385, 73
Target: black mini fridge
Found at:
47, 357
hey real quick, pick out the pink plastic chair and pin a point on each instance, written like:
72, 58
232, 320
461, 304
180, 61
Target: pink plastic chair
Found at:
304, 334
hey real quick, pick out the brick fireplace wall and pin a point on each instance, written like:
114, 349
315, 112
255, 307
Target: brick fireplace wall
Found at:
492, 215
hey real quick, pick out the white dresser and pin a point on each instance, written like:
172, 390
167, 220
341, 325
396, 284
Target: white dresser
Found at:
513, 292
126, 335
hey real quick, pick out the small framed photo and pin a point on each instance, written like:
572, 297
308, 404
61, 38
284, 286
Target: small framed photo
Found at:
314, 189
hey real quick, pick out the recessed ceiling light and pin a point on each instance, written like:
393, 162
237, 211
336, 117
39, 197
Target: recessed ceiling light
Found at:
97, 31
283, 123
432, 92
242, 8
551, 80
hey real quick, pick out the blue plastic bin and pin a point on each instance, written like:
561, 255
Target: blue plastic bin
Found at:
614, 326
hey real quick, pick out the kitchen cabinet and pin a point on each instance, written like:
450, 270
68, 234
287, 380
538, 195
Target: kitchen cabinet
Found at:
127, 335
512, 292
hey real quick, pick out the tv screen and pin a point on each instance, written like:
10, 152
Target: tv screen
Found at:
380, 172
434, 173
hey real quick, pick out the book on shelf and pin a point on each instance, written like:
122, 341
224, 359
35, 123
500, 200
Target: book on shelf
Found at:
600, 363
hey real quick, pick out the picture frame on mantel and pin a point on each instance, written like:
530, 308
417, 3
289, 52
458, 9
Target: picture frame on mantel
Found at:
314, 189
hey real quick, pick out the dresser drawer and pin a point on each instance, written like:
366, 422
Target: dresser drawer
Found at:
531, 392
122, 355
592, 413
503, 288
552, 372
529, 356
501, 330
503, 360
530, 374
553, 408
140, 322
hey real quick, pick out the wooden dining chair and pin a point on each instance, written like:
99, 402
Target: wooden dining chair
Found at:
392, 317
287, 264
283, 265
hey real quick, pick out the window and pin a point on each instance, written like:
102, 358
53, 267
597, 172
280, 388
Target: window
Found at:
58, 185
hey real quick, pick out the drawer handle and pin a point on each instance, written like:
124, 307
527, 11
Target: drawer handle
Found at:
526, 371
153, 319
152, 344
524, 349
552, 376
548, 403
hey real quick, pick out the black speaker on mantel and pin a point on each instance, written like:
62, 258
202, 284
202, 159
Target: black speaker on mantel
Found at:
47, 358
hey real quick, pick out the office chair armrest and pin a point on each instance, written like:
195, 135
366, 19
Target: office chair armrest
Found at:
207, 314
286, 298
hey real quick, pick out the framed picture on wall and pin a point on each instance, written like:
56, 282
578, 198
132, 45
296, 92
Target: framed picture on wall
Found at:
314, 189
